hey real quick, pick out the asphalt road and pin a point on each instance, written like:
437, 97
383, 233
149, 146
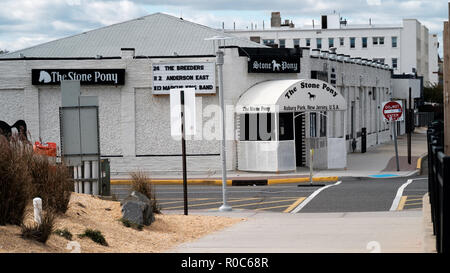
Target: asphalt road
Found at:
347, 195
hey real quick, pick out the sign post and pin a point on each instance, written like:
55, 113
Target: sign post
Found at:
182, 117
220, 62
393, 112
409, 126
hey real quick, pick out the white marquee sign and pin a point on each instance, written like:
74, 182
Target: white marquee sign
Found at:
197, 75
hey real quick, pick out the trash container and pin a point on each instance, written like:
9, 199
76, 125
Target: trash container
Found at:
48, 149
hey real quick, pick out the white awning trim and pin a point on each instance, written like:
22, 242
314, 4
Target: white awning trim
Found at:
291, 96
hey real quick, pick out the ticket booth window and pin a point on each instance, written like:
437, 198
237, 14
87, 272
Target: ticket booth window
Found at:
323, 124
286, 126
257, 127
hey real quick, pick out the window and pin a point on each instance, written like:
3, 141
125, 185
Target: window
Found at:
323, 124
256, 127
282, 43
379, 60
330, 42
296, 43
268, 41
286, 126
394, 63
312, 125
364, 42
319, 42
341, 41
394, 41
378, 40
352, 42
308, 42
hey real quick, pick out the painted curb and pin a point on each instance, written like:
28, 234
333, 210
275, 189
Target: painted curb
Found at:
419, 162
218, 182
301, 180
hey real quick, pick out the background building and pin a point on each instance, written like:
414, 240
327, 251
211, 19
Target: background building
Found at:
406, 48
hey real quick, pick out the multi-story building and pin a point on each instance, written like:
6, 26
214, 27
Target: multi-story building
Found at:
406, 48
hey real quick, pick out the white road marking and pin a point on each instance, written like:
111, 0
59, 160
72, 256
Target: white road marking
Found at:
400, 193
314, 194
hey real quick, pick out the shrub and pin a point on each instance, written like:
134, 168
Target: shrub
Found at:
141, 183
15, 181
95, 236
64, 233
52, 183
40, 232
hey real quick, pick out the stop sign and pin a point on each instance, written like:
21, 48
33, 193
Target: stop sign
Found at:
392, 111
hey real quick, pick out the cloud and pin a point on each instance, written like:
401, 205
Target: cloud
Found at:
24, 23
373, 2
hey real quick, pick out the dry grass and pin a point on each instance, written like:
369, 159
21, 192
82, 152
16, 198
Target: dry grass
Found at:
142, 183
52, 183
89, 212
25, 175
15, 181
39, 232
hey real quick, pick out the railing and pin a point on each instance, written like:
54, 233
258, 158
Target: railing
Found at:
423, 119
86, 179
438, 186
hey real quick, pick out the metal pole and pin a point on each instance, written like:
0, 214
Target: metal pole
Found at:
225, 206
183, 151
311, 162
410, 121
395, 143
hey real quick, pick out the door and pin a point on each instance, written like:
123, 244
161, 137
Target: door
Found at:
300, 132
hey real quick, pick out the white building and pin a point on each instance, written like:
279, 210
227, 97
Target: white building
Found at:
406, 48
159, 51
433, 45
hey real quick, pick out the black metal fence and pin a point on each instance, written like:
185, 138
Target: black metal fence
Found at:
422, 119
438, 185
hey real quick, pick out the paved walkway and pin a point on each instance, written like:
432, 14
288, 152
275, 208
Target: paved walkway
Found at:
265, 232
355, 232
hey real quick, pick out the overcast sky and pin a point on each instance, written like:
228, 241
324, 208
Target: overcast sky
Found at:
24, 23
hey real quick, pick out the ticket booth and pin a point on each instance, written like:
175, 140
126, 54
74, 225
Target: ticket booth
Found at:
274, 118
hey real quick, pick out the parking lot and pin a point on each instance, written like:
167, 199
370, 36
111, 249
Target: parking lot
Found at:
279, 198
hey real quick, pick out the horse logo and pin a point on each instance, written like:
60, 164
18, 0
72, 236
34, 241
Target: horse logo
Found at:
44, 77
276, 66
312, 97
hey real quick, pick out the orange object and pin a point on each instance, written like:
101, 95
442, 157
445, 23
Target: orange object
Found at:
49, 149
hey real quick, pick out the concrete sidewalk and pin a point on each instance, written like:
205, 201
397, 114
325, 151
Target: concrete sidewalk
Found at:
265, 232
377, 161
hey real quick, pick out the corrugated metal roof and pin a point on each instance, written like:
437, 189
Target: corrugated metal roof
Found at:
153, 35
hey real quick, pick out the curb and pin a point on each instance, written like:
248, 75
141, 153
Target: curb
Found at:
420, 163
231, 182
216, 182
302, 179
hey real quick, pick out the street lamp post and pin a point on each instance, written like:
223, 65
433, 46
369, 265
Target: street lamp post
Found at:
219, 63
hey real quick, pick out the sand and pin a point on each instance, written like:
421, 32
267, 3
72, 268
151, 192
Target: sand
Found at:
86, 211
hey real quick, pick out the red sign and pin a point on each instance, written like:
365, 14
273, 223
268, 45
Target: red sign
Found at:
392, 111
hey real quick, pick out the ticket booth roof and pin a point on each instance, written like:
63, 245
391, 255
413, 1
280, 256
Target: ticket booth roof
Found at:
291, 96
